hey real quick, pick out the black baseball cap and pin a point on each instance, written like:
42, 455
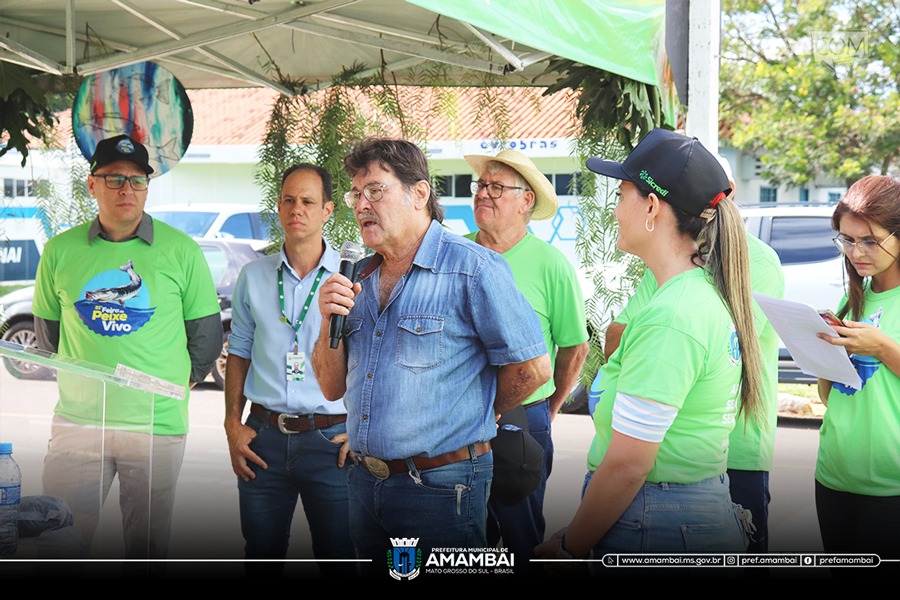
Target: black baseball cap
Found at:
118, 148
677, 168
518, 459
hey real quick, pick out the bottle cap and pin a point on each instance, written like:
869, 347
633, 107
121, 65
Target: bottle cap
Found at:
5, 448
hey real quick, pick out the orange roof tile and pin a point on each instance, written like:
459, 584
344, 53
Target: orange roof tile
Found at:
238, 116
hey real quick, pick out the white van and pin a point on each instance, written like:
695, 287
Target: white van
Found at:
214, 221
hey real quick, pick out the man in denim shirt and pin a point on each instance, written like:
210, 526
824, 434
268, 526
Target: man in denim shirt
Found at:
437, 341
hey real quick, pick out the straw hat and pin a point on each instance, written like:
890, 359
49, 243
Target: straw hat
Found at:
545, 201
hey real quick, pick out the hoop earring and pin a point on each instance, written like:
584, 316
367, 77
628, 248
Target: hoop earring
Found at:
651, 226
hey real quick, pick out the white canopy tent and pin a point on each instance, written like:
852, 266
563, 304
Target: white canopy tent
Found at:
241, 43
218, 43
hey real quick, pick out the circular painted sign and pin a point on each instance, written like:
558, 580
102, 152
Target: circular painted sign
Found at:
143, 101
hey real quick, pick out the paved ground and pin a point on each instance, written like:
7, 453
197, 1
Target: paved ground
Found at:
206, 523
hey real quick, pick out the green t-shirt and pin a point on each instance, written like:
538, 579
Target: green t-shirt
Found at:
680, 350
124, 303
549, 282
752, 446
859, 442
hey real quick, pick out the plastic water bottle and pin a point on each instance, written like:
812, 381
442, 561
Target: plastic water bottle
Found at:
10, 493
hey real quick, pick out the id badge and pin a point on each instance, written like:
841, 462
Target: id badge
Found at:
295, 366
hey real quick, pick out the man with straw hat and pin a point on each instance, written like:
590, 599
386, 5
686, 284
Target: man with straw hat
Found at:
508, 193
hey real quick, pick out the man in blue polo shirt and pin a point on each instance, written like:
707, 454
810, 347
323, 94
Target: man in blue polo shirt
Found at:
294, 441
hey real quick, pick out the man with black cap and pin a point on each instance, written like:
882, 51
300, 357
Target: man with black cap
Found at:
509, 192
123, 290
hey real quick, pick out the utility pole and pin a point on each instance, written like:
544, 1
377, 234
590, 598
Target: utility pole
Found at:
704, 34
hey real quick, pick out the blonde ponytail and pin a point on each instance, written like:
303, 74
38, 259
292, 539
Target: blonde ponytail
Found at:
723, 245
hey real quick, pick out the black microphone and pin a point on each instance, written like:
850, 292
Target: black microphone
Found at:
351, 254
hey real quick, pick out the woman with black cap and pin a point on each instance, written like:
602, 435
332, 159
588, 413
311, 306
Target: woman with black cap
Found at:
687, 365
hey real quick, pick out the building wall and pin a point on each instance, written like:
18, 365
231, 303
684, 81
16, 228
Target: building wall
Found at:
753, 189
209, 174
224, 174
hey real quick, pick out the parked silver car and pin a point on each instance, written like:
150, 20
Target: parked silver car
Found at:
801, 235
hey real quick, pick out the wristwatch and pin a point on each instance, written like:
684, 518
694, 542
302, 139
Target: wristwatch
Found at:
563, 553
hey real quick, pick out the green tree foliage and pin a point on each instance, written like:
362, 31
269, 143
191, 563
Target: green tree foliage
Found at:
316, 129
811, 87
25, 115
614, 113
609, 103
321, 127
73, 205
613, 273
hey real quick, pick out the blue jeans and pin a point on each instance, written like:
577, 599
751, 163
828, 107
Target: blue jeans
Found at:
676, 518
750, 489
304, 465
522, 525
445, 507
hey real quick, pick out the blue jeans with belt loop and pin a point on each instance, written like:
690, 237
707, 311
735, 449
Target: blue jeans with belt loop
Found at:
444, 507
676, 518
305, 465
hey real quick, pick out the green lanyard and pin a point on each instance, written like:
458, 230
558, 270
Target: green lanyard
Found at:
302, 317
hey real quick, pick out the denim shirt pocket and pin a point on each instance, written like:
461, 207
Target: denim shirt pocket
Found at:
420, 342
352, 341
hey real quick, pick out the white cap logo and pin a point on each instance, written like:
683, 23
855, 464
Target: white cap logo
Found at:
125, 147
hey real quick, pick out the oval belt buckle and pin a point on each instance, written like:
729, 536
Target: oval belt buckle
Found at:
378, 467
281, 423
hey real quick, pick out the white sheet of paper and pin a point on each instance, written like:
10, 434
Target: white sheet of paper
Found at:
797, 325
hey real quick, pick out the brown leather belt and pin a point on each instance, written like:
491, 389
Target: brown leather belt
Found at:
382, 469
287, 423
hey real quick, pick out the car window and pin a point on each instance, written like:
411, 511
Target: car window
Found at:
237, 226
217, 261
193, 223
260, 229
803, 239
752, 225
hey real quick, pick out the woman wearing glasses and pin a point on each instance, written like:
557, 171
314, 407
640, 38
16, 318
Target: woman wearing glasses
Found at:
670, 394
858, 468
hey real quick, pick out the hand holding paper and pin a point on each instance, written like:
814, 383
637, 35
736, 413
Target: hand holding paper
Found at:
799, 326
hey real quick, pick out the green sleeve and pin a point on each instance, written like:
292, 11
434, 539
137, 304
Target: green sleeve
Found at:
567, 314
766, 276
649, 369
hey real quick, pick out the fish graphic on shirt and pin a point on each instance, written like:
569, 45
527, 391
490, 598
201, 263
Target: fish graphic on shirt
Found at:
113, 307
865, 366
118, 294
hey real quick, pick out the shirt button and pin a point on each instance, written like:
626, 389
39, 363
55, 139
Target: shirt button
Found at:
377, 334
365, 417
368, 376
418, 329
